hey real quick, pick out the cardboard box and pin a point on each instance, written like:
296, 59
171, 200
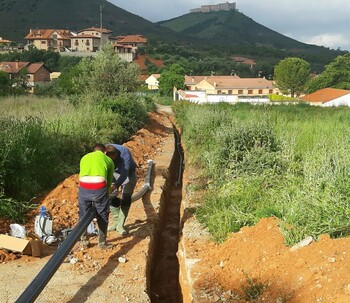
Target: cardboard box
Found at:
29, 246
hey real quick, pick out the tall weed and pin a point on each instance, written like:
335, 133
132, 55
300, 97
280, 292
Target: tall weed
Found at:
287, 161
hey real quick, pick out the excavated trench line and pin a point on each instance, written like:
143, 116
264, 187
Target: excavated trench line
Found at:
164, 285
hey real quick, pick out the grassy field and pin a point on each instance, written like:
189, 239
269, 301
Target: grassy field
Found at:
288, 161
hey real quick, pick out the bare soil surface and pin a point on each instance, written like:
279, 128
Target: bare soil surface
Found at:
253, 265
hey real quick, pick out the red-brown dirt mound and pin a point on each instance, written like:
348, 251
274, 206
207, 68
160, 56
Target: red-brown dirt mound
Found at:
257, 257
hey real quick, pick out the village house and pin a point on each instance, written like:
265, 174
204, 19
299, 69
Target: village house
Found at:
90, 39
328, 97
230, 85
242, 60
45, 39
133, 40
125, 52
231, 89
152, 82
127, 46
35, 73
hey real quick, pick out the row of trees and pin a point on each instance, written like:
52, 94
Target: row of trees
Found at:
293, 75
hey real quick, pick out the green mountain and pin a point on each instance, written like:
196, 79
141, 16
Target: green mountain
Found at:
17, 17
232, 28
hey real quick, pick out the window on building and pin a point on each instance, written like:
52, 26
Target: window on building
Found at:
250, 91
270, 91
230, 91
240, 92
43, 41
260, 91
219, 92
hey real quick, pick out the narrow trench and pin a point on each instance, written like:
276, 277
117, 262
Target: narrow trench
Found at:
164, 275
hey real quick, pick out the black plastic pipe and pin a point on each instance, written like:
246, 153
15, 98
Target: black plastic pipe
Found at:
43, 277
146, 186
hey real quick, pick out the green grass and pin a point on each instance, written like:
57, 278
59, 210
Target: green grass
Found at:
287, 161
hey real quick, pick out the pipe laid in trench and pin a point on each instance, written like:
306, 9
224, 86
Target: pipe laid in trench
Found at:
146, 186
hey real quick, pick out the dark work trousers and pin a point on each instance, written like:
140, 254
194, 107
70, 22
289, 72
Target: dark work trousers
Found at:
127, 189
100, 198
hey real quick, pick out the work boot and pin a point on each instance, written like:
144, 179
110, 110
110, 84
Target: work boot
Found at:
85, 243
123, 213
102, 240
115, 215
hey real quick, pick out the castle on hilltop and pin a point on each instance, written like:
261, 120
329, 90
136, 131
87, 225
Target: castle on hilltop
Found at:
215, 7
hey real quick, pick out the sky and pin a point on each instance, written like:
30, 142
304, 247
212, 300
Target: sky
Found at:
320, 22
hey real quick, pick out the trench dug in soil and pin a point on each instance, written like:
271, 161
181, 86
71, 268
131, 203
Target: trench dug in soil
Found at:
168, 256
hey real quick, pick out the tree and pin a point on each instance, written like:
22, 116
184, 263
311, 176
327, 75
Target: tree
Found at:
292, 75
106, 75
5, 84
336, 75
170, 78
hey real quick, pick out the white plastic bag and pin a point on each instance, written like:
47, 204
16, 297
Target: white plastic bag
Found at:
91, 229
18, 231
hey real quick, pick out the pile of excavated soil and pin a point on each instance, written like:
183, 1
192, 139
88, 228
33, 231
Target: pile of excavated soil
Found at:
254, 265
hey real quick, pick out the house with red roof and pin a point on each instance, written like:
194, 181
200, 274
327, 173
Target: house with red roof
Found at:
87, 40
45, 39
327, 97
35, 73
133, 40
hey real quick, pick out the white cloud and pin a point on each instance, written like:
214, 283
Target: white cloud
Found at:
329, 40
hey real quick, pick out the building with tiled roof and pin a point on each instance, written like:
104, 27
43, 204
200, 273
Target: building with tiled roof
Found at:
45, 39
12, 68
90, 39
230, 85
245, 61
4, 41
192, 81
36, 73
327, 97
94, 30
133, 40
